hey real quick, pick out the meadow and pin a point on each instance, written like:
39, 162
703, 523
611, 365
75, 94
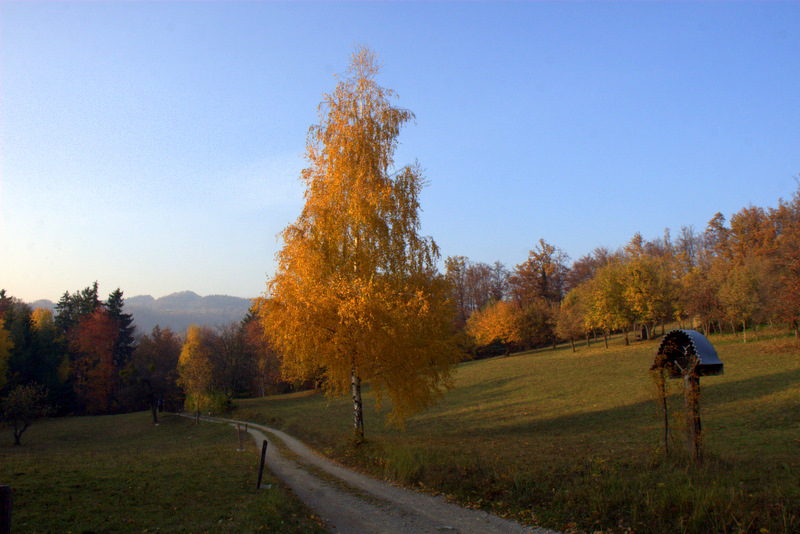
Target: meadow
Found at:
574, 441
123, 474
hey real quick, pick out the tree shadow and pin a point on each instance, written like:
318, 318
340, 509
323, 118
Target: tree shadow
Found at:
636, 416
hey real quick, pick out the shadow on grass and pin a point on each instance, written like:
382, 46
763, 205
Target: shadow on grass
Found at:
632, 417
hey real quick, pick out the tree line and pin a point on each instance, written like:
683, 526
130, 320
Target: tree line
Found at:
88, 359
735, 275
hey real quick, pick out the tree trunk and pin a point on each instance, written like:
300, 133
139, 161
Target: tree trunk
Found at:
605, 337
18, 433
744, 332
358, 413
626, 336
572, 342
153, 404
588, 344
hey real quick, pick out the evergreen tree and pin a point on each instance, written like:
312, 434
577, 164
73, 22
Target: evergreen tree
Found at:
123, 347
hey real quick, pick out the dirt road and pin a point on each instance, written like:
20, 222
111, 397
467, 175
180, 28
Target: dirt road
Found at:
352, 503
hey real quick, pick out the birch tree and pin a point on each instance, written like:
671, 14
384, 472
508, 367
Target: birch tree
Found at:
194, 369
356, 294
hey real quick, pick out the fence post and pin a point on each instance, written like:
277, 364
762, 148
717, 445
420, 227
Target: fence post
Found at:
261, 469
241, 436
5, 509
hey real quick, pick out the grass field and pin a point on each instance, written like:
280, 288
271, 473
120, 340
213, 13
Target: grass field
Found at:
573, 440
123, 474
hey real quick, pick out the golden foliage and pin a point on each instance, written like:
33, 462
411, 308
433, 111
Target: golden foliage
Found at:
42, 319
194, 367
356, 293
6, 345
497, 322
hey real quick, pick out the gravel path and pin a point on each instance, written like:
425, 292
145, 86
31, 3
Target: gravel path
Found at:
353, 503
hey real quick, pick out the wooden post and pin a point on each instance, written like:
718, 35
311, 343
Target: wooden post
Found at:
691, 395
263, 458
662, 392
5, 509
241, 438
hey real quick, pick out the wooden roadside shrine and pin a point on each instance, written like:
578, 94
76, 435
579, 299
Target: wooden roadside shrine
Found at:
689, 355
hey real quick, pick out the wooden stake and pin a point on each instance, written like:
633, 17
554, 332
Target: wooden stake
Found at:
263, 458
5, 509
694, 435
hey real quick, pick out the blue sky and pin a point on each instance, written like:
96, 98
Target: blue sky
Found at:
156, 146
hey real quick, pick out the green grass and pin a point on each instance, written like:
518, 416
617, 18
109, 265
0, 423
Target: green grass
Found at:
123, 474
573, 440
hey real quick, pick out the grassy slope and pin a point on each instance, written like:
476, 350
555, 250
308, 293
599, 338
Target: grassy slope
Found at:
573, 440
123, 474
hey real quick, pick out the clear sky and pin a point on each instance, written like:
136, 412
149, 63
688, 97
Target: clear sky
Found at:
156, 146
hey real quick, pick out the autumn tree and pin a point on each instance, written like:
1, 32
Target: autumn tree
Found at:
229, 359
356, 293
571, 322
751, 234
584, 268
649, 292
543, 275
24, 405
788, 260
536, 286
698, 298
606, 307
95, 375
498, 322
265, 365
32, 355
740, 294
5, 352
194, 369
152, 371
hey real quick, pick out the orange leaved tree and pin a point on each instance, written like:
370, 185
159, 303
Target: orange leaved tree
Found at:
356, 295
194, 369
498, 322
93, 369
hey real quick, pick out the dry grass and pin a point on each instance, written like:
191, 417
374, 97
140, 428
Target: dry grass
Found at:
573, 439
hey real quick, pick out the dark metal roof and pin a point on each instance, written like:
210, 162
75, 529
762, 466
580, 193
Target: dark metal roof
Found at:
690, 343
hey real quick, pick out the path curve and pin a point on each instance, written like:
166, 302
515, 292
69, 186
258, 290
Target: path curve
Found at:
353, 503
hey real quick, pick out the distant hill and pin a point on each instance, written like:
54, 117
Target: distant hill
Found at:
178, 310
46, 304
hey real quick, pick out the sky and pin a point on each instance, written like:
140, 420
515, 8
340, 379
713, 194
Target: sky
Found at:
156, 147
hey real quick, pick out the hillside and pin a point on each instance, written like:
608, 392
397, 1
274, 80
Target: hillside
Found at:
573, 441
178, 310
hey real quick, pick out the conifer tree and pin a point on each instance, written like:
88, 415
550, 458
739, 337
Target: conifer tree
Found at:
124, 345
